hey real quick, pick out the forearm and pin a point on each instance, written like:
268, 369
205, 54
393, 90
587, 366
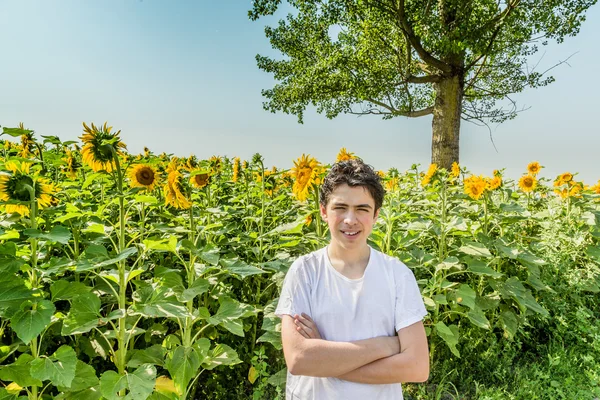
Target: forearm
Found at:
322, 358
399, 368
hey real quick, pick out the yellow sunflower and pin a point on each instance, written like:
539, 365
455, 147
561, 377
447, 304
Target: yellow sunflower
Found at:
576, 189
564, 193
304, 171
199, 179
72, 164
191, 163
308, 220
596, 188
344, 155
236, 169
173, 191
146, 152
494, 183
533, 168
381, 174
215, 165
27, 142
474, 186
144, 176
97, 155
565, 177
392, 184
14, 188
527, 183
455, 171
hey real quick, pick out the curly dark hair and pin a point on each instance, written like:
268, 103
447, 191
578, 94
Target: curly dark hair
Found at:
352, 173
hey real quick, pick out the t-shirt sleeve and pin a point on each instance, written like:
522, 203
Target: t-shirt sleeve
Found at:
294, 298
409, 303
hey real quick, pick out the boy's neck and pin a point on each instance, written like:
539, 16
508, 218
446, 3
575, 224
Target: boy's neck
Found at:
349, 262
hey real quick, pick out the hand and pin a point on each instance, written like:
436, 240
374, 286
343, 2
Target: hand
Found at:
306, 326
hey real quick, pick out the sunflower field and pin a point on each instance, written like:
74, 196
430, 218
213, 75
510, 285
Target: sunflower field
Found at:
155, 277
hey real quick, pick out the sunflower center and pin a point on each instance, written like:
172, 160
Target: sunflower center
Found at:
201, 179
145, 176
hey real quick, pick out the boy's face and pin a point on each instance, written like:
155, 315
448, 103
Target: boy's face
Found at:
350, 214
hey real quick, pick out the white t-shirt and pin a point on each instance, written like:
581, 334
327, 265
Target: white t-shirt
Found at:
385, 300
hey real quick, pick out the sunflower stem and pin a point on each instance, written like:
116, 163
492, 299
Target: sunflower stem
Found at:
121, 339
262, 213
442, 244
33, 277
316, 198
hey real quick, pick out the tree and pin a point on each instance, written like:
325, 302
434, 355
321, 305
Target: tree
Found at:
450, 58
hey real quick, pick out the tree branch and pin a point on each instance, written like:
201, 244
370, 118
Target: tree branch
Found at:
415, 41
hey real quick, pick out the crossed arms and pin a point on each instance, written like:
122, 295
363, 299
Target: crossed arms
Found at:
379, 360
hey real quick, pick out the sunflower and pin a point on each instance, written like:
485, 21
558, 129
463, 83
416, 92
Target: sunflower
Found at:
72, 164
493, 183
308, 220
565, 178
199, 179
191, 163
215, 165
173, 191
527, 183
455, 171
146, 152
576, 189
429, 174
14, 187
474, 186
236, 169
381, 174
244, 164
596, 188
564, 193
426, 180
96, 154
344, 155
304, 171
392, 184
533, 168
144, 176
27, 142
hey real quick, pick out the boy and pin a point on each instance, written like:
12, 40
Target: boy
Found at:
342, 305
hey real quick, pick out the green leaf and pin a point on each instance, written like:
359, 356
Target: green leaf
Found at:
59, 234
152, 355
169, 245
83, 315
529, 260
65, 290
510, 323
58, 368
15, 132
288, 229
86, 265
465, 295
230, 314
475, 249
145, 199
515, 289
448, 336
111, 383
240, 268
278, 379
85, 378
183, 364
140, 383
480, 268
221, 354
12, 234
593, 252
477, 317
157, 301
19, 372
13, 293
32, 319
199, 287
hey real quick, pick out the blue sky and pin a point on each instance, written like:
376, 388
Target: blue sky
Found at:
181, 77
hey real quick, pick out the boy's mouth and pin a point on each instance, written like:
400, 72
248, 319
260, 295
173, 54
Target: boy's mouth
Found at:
350, 233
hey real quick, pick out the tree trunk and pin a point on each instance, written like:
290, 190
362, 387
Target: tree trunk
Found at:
446, 121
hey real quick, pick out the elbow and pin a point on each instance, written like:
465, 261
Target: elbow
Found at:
296, 365
422, 374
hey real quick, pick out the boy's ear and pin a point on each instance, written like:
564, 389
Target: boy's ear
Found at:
323, 212
376, 214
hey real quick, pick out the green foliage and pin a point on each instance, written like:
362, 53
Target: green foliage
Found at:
110, 293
